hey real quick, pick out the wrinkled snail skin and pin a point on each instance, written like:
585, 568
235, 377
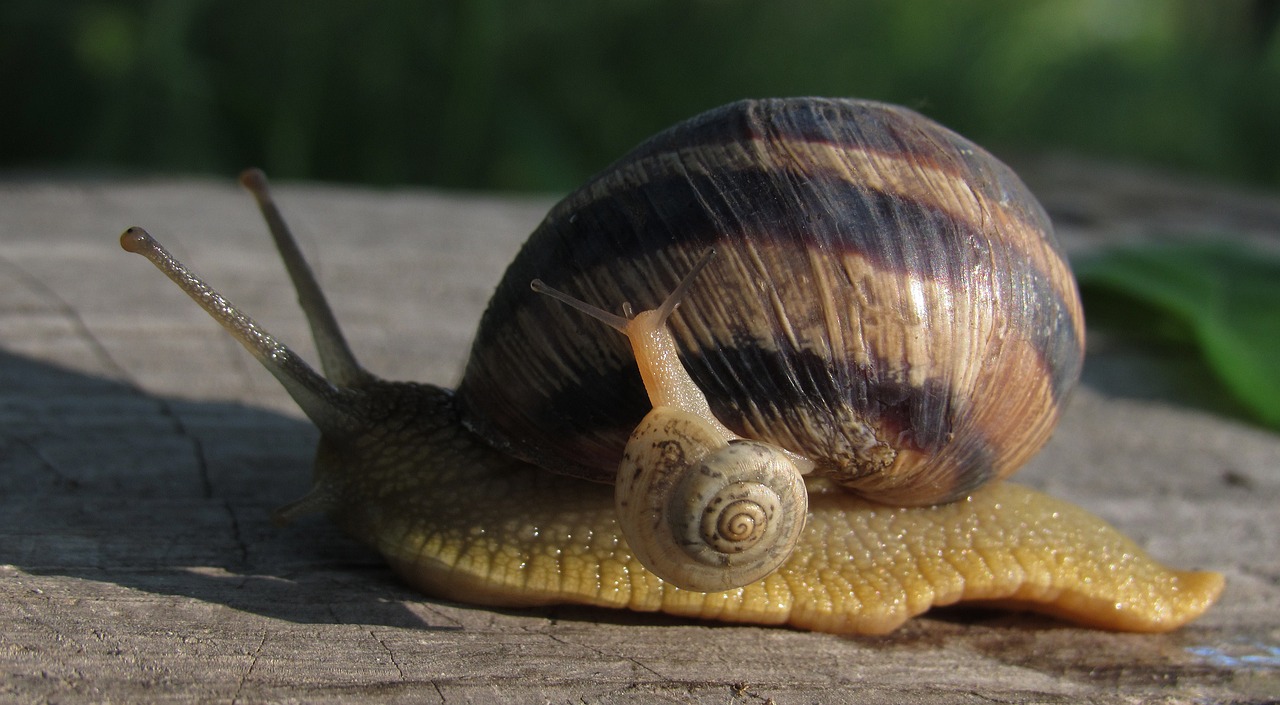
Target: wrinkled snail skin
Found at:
465, 508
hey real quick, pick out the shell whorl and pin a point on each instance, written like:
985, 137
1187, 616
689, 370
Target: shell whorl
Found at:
702, 514
888, 300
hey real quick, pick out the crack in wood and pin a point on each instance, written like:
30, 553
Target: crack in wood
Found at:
390, 654
253, 663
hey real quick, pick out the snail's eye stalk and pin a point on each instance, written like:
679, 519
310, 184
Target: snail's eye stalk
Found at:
328, 406
618, 323
677, 295
336, 358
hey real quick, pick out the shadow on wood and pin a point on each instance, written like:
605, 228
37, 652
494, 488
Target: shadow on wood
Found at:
103, 482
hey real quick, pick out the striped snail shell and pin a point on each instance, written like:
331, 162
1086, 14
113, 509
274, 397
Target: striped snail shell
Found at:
887, 300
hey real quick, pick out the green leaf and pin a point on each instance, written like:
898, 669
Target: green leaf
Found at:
1224, 299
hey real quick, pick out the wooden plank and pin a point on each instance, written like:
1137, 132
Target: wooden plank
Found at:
141, 452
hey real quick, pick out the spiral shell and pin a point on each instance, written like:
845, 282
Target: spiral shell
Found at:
888, 300
703, 514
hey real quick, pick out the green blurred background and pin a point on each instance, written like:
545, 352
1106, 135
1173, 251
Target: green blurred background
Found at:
536, 96
482, 94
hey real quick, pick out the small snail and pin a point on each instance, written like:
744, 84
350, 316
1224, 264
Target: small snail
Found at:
887, 325
701, 507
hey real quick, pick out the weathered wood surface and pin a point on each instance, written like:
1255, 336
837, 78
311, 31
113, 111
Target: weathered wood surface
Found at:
141, 452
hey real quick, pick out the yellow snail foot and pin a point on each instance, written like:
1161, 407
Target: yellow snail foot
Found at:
859, 568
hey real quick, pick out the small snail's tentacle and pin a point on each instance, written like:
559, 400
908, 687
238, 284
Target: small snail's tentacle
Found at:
500, 535
336, 359
677, 295
620, 323
615, 322
656, 354
704, 514
330, 407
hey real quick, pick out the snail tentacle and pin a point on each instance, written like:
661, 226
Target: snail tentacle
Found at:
333, 408
336, 359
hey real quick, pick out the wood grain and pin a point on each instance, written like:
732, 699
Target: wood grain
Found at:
141, 452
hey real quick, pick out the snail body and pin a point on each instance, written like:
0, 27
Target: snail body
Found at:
887, 321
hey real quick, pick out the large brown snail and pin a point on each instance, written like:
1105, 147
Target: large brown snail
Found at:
887, 328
